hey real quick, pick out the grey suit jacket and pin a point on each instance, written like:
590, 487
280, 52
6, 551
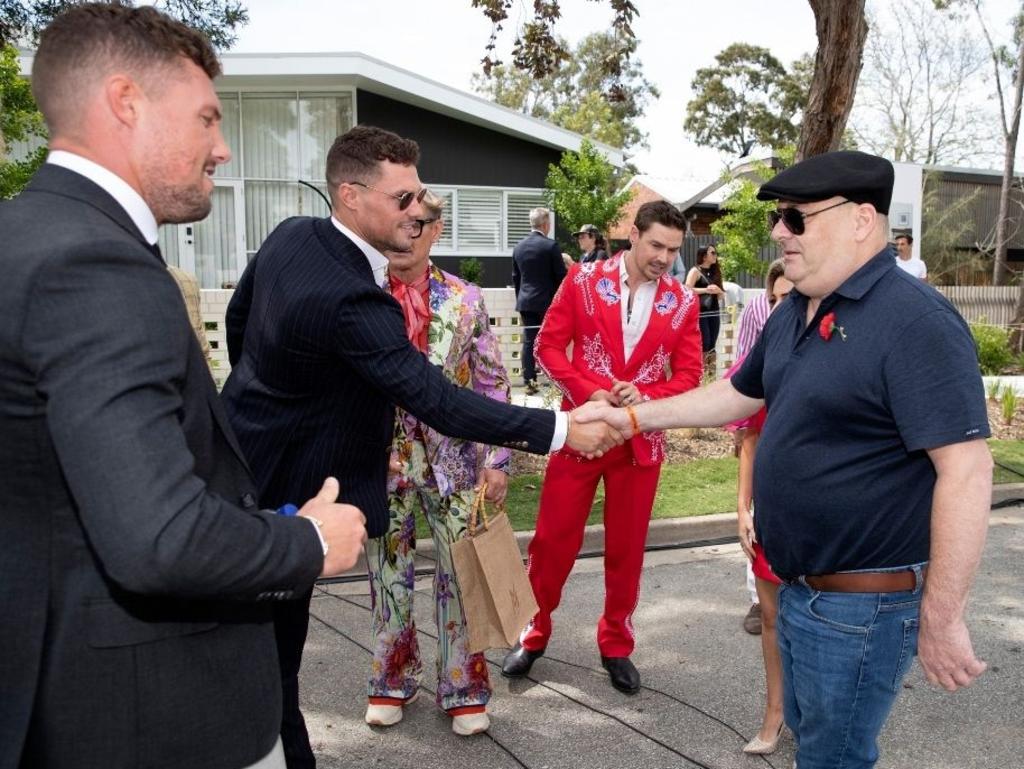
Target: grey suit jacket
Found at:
134, 563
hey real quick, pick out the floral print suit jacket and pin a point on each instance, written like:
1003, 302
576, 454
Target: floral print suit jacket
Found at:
460, 341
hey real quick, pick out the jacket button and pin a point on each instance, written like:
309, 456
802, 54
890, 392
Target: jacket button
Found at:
248, 501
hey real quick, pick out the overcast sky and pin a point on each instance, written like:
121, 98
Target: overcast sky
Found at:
444, 40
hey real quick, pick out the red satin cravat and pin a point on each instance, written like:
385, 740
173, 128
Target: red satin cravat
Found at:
413, 297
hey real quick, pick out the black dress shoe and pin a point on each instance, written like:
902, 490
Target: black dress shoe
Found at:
625, 677
519, 661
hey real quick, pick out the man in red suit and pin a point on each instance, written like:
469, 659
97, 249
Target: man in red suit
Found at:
628, 322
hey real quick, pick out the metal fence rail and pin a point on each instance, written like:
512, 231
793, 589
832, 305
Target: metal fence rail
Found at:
988, 304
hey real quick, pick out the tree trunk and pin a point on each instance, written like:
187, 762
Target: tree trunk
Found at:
999, 271
842, 28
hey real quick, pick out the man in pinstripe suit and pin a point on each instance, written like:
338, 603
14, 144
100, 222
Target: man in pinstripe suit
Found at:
320, 357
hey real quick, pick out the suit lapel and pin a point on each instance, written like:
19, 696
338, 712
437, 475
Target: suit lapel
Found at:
342, 249
57, 180
607, 287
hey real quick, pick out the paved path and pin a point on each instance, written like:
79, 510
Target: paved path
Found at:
702, 673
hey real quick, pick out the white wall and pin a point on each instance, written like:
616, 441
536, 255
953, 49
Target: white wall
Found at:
907, 193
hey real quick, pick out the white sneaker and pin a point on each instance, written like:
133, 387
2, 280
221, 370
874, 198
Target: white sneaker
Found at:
387, 715
470, 723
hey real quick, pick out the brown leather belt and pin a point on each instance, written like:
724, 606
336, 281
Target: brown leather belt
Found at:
865, 581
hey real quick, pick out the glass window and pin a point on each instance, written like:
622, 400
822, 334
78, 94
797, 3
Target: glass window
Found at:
322, 118
446, 240
478, 213
230, 126
270, 125
519, 205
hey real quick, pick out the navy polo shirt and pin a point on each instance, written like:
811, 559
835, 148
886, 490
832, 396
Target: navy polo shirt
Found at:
842, 480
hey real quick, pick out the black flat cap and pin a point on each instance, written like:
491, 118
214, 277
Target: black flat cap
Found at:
853, 175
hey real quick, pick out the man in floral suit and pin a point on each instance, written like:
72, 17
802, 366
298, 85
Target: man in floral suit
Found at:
445, 318
630, 323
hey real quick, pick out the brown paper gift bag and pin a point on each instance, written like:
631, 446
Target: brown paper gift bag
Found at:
497, 598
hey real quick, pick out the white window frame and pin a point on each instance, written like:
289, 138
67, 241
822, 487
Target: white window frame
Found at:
450, 210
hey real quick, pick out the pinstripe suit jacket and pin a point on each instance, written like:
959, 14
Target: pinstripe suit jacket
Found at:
320, 357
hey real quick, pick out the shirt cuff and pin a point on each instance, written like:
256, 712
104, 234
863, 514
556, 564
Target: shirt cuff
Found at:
319, 534
561, 430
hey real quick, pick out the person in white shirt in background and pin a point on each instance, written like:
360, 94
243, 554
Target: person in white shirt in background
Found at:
906, 260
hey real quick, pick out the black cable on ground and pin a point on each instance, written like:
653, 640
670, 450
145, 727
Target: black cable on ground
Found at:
572, 699
353, 641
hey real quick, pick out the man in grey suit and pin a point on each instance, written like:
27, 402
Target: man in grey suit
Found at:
537, 272
137, 569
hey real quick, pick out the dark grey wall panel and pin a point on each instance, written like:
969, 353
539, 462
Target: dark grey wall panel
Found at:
455, 152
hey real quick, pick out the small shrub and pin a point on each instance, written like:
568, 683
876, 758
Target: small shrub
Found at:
471, 270
993, 389
1009, 402
993, 345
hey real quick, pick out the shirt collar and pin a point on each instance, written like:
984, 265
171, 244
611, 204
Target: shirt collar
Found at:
624, 273
126, 197
858, 284
378, 262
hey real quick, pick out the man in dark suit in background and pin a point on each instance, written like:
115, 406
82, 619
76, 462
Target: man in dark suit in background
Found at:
137, 570
537, 272
320, 357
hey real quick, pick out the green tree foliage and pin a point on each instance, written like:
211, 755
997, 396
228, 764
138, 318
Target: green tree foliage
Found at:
579, 94
747, 98
21, 21
743, 230
580, 189
19, 121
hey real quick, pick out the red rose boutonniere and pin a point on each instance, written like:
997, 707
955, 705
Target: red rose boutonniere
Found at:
827, 328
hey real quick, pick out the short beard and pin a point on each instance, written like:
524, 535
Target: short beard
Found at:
178, 205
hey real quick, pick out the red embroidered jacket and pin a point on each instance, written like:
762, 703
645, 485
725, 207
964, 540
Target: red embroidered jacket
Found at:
586, 313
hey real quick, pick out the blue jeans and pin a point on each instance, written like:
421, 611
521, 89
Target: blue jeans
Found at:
844, 656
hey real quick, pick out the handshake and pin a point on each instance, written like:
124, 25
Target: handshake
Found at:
600, 425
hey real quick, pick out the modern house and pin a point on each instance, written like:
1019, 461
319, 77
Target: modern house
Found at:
281, 113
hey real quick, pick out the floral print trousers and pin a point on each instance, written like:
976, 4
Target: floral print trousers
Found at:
396, 668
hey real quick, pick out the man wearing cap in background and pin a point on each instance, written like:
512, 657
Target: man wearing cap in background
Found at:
873, 478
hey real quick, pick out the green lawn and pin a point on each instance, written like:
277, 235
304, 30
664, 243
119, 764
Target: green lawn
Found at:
700, 487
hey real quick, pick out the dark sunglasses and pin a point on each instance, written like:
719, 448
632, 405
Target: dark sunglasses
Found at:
419, 224
404, 199
794, 219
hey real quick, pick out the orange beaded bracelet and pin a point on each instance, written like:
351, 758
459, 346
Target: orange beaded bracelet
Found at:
632, 420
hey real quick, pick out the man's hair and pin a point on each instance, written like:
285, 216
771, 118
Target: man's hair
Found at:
356, 155
88, 42
909, 238
433, 204
775, 271
659, 212
538, 216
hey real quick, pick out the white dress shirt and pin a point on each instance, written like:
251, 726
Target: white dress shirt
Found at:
113, 185
635, 320
379, 264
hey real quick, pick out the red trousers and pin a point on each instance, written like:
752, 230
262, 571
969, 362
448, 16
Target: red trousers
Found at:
565, 501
